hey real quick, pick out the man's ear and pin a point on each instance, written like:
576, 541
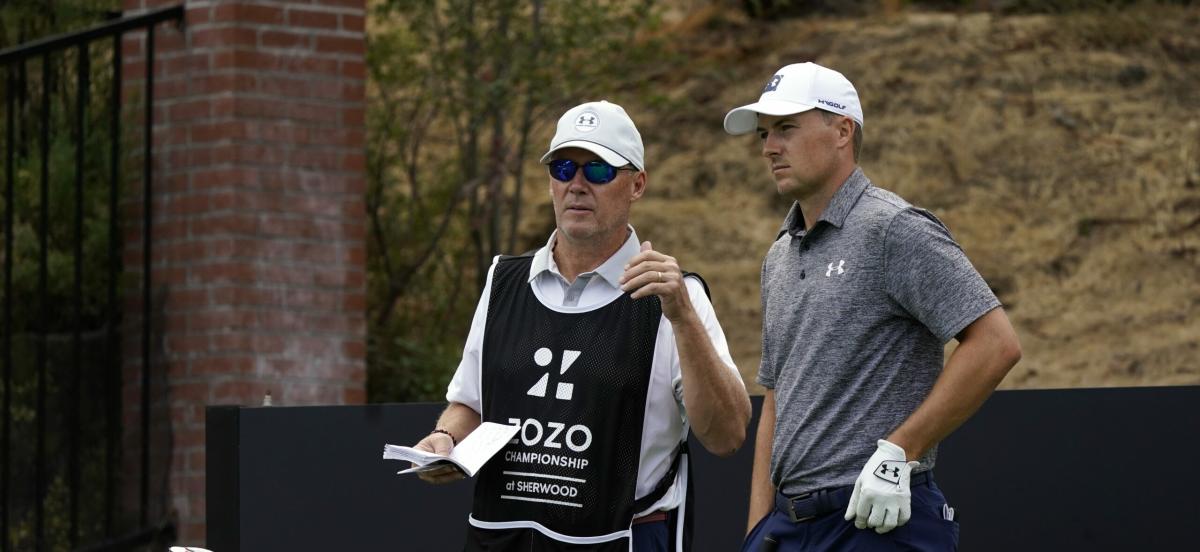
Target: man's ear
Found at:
845, 129
639, 186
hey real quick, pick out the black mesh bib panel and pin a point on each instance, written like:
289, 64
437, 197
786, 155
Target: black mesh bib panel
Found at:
577, 385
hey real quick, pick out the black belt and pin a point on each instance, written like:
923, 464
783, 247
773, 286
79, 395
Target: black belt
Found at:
809, 506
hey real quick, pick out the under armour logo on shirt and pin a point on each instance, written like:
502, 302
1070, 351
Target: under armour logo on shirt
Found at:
563, 391
839, 268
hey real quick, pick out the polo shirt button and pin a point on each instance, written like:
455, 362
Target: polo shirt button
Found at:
801, 274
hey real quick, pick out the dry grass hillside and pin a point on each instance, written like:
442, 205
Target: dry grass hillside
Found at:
1062, 151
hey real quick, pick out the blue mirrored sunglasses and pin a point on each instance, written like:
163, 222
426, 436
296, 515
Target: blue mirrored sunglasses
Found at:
596, 172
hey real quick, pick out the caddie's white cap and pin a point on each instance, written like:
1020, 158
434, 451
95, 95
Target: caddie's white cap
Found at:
602, 128
797, 88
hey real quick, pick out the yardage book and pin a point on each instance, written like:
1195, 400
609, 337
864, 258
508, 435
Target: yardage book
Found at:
469, 455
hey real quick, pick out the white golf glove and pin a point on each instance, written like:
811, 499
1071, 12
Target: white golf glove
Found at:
881, 499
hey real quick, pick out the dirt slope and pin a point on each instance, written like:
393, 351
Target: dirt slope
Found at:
1062, 151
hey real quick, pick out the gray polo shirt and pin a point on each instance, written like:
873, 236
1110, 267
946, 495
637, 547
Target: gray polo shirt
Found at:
855, 316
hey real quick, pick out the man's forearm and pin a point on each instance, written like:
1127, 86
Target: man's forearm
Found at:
987, 351
762, 492
717, 405
459, 419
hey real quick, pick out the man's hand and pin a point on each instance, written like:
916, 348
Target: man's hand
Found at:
881, 498
653, 273
438, 443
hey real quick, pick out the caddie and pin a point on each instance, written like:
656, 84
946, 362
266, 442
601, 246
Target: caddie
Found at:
605, 353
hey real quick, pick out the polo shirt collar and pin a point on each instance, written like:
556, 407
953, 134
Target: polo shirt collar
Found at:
611, 269
839, 206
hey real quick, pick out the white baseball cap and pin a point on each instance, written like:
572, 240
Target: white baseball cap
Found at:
602, 128
797, 88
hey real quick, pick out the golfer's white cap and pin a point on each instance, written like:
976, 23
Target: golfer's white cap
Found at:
602, 128
797, 88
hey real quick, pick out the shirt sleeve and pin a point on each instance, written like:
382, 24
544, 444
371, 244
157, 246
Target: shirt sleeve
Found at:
466, 385
930, 277
708, 316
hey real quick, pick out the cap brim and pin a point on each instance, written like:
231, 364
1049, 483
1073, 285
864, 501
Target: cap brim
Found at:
609, 156
744, 119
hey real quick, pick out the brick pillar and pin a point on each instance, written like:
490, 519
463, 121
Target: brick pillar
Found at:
259, 253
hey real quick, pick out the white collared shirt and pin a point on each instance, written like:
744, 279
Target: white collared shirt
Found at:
665, 422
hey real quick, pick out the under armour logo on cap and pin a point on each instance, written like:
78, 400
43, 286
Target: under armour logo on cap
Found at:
586, 122
889, 471
771, 86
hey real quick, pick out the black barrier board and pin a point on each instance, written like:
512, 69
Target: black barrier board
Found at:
1079, 469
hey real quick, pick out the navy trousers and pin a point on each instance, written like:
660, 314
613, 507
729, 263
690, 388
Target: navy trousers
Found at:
652, 537
928, 530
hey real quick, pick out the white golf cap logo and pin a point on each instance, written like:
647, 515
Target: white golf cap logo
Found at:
773, 84
587, 121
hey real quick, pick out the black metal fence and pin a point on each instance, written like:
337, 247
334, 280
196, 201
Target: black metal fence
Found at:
63, 291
